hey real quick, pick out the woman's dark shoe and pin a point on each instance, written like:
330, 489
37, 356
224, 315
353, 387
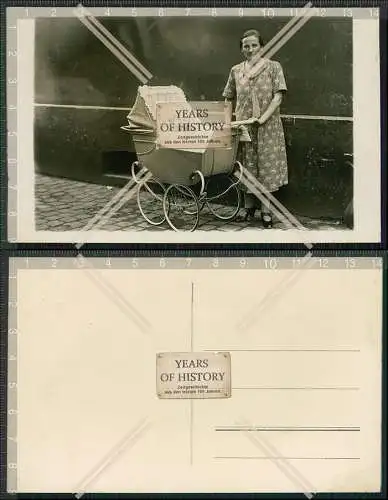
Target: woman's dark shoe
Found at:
248, 216
267, 220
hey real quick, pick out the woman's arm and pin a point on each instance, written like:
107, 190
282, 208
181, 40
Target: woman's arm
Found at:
278, 87
229, 92
231, 101
230, 87
275, 103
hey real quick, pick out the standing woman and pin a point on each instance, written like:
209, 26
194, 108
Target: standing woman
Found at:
258, 98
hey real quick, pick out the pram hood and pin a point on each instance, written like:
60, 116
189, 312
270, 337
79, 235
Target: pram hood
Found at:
143, 113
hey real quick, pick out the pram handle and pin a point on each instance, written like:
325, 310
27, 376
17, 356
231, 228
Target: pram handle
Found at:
241, 123
131, 129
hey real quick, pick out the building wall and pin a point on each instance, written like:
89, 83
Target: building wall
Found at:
83, 141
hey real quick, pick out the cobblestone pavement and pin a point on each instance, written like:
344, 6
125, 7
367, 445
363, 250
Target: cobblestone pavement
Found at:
67, 205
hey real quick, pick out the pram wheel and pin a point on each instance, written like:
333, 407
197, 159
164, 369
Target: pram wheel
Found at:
223, 197
181, 208
150, 201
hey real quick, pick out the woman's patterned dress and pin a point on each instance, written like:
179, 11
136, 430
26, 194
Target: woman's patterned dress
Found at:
265, 157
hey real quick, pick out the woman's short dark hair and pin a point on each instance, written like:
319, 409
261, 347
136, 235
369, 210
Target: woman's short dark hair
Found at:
252, 33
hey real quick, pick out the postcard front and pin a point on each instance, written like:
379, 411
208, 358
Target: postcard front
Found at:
90, 161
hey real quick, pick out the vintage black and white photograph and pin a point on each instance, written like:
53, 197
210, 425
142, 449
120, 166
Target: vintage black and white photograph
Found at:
303, 158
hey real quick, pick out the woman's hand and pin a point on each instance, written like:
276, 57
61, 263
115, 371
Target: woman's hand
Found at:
258, 121
252, 121
249, 121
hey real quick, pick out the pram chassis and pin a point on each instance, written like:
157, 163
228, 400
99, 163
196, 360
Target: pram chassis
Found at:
180, 182
177, 202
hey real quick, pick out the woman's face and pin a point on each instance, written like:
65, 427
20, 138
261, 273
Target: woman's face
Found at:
250, 46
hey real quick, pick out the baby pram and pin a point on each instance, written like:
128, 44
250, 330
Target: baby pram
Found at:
183, 181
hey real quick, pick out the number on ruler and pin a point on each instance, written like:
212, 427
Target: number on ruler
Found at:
108, 262
12, 385
54, 262
53, 12
214, 12
268, 12
271, 263
12, 53
241, 12
134, 12
188, 261
215, 262
12, 465
12, 133
374, 12
350, 263
81, 10
321, 12
107, 11
243, 263
188, 11
161, 12
135, 263
323, 263
12, 81
377, 263
348, 12
12, 331
162, 263
12, 411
